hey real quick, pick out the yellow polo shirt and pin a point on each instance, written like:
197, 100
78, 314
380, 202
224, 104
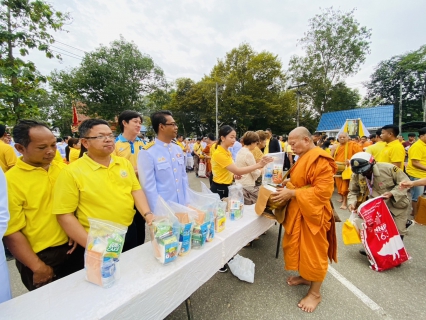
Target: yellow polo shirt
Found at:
74, 154
7, 156
30, 193
129, 150
376, 149
95, 191
392, 152
222, 158
417, 152
257, 154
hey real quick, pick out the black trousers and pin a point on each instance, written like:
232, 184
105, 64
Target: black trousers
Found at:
220, 189
135, 235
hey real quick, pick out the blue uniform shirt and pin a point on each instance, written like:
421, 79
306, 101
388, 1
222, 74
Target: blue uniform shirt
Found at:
162, 172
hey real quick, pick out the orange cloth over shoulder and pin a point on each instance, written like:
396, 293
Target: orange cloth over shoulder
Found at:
310, 238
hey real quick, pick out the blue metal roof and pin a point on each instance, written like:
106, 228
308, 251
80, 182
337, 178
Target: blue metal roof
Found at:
374, 117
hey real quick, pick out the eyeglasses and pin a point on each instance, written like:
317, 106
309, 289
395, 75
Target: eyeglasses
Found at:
111, 136
171, 124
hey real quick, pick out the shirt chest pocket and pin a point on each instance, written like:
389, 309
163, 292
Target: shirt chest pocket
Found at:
180, 161
163, 166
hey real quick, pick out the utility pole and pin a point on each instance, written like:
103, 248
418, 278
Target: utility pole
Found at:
298, 94
400, 104
217, 103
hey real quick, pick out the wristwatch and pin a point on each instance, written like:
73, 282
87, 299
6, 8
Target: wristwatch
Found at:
147, 213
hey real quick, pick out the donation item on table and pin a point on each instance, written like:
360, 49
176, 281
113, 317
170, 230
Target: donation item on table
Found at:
187, 218
207, 204
380, 236
104, 245
165, 233
273, 171
235, 202
221, 207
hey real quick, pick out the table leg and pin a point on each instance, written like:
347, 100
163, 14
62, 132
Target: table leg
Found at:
279, 241
189, 308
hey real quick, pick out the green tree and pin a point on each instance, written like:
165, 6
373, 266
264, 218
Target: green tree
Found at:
24, 25
335, 46
116, 78
409, 70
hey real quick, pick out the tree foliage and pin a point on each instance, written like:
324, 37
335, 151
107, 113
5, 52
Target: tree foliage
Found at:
409, 70
24, 25
116, 78
335, 47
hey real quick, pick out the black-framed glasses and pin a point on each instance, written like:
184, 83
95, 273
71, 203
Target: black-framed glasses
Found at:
171, 124
110, 136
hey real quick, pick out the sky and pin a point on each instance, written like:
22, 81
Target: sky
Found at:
187, 37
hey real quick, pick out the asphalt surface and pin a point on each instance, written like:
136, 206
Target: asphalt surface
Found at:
351, 289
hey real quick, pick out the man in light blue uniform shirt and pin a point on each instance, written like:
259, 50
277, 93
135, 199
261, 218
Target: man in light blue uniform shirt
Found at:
5, 293
161, 164
235, 148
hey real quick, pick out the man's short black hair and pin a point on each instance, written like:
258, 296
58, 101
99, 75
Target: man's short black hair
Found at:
21, 131
378, 132
159, 117
88, 124
65, 138
2, 130
392, 128
199, 138
372, 136
128, 115
59, 139
412, 134
211, 136
317, 134
422, 131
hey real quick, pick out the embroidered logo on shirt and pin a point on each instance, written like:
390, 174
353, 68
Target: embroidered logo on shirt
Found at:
123, 173
161, 159
178, 155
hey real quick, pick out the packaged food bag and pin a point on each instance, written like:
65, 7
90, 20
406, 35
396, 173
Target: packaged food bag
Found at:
380, 236
104, 245
207, 204
186, 217
273, 172
350, 233
221, 216
235, 202
165, 232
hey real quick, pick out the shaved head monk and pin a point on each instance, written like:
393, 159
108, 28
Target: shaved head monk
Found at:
309, 238
342, 153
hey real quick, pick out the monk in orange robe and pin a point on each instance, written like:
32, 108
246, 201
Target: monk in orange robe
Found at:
310, 236
342, 153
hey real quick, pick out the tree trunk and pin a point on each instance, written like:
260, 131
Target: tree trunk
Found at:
14, 79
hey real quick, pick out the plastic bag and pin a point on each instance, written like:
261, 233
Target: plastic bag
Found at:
235, 202
273, 172
380, 236
165, 232
105, 242
186, 217
350, 232
202, 169
205, 203
221, 216
242, 268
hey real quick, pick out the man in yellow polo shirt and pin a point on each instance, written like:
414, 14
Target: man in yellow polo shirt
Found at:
98, 185
128, 145
7, 154
378, 145
34, 235
416, 168
393, 152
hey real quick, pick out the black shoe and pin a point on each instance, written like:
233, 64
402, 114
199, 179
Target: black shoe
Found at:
409, 224
362, 251
224, 268
9, 257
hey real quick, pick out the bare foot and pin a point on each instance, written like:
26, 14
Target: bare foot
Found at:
340, 200
295, 281
309, 302
343, 207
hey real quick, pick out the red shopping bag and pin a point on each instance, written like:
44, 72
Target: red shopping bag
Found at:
380, 236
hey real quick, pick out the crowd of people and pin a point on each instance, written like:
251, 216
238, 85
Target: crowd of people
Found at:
44, 222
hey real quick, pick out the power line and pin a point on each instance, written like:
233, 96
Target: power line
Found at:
70, 46
68, 52
66, 55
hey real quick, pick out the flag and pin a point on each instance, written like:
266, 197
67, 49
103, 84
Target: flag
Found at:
74, 116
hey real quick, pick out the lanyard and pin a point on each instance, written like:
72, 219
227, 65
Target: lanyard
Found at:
370, 185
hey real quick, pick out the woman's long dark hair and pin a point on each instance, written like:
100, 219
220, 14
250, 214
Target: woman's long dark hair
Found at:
223, 132
71, 143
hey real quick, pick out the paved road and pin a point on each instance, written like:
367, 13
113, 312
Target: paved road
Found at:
350, 291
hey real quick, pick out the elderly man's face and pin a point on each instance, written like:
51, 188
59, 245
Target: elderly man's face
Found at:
298, 144
343, 138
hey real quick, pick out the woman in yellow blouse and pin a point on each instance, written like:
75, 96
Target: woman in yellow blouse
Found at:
223, 166
72, 153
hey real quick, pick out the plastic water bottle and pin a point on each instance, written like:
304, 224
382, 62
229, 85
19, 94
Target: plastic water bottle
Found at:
268, 175
108, 271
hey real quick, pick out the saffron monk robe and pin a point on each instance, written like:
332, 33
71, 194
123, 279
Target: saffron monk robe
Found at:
310, 235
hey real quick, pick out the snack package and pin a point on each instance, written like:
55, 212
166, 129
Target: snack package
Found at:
273, 172
186, 217
221, 216
207, 204
104, 245
235, 202
165, 233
